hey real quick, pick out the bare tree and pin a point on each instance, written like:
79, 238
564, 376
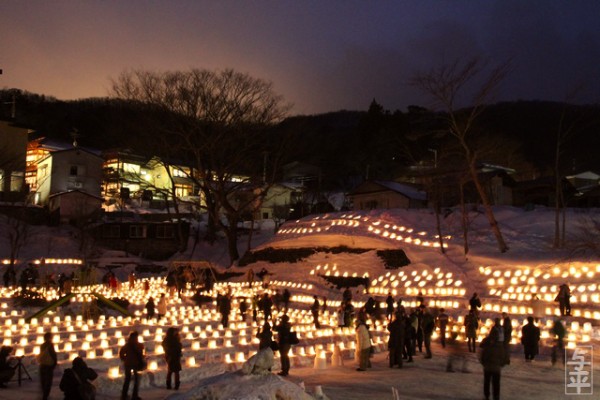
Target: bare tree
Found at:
446, 85
568, 127
17, 232
219, 129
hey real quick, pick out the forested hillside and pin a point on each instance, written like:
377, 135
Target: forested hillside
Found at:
351, 145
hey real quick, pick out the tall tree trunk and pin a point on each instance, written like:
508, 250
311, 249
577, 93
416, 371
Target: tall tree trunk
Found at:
487, 207
557, 192
438, 226
231, 232
464, 219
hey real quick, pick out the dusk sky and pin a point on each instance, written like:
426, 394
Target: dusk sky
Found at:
320, 55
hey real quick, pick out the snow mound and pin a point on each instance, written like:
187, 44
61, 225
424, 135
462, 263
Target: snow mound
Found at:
235, 385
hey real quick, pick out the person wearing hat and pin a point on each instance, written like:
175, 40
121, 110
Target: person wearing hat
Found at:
283, 330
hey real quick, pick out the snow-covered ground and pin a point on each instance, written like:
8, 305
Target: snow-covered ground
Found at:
504, 281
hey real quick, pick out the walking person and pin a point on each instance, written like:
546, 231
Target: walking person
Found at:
150, 308
397, 329
507, 328
389, 306
76, 377
537, 307
471, 325
363, 342
492, 359
530, 339
161, 307
47, 360
286, 297
314, 309
283, 339
173, 352
132, 356
410, 340
475, 304
559, 332
564, 299
442, 323
428, 326
265, 337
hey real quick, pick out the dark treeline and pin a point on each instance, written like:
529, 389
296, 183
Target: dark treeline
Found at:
350, 146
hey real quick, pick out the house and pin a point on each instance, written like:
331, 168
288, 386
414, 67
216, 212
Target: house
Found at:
279, 200
63, 171
13, 147
74, 205
541, 191
154, 240
385, 195
584, 181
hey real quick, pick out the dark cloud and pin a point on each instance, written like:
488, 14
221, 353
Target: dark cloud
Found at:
322, 56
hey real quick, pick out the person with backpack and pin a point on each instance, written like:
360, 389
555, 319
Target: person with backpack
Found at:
75, 382
47, 360
132, 356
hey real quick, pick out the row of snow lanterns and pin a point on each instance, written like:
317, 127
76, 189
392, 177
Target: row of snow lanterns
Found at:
525, 273
40, 261
520, 284
108, 353
446, 285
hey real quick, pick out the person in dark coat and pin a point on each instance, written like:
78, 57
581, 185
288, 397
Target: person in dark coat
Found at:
492, 359
507, 328
224, 304
266, 304
7, 371
150, 308
410, 338
389, 306
172, 347
475, 304
428, 326
47, 360
530, 339
74, 377
283, 334
265, 336
286, 297
471, 325
442, 323
132, 356
559, 332
564, 299
397, 329
314, 310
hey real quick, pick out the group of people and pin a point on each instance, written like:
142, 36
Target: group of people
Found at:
76, 381
283, 343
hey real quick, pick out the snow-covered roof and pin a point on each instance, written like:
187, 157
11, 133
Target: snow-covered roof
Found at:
406, 190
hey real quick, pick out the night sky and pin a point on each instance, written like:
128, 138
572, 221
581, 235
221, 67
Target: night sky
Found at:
320, 55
